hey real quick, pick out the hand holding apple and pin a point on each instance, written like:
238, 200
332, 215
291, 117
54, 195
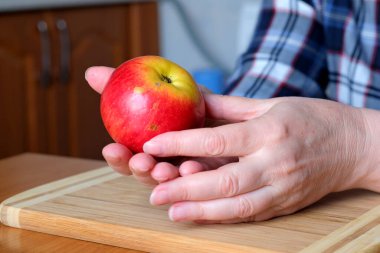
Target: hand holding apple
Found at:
143, 166
147, 96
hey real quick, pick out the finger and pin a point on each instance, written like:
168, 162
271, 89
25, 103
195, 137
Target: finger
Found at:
117, 157
164, 171
274, 212
204, 89
267, 214
238, 208
196, 165
232, 221
235, 108
210, 122
230, 180
230, 140
141, 166
98, 77
191, 167
263, 216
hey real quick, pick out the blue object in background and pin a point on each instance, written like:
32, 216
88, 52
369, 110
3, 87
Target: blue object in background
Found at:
212, 78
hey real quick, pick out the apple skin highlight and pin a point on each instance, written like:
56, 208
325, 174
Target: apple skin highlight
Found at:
148, 96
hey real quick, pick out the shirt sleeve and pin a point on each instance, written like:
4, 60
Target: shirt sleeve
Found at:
286, 56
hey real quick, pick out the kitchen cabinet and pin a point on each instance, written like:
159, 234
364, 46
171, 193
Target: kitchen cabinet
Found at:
46, 105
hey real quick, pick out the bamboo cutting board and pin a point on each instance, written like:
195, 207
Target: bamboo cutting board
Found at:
105, 207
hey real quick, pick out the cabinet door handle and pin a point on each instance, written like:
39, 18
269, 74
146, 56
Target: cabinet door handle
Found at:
64, 40
45, 75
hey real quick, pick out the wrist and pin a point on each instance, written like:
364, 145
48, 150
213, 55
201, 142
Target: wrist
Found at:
370, 162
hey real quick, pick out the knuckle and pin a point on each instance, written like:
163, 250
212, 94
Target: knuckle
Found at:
290, 205
244, 208
175, 146
214, 144
278, 129
183, 193
290, 160
285, 199
229, 185
280, 207
200, 212
286, 166
281, 131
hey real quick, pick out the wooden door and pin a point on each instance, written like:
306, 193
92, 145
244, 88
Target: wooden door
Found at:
46, 105
99, 36
22, 97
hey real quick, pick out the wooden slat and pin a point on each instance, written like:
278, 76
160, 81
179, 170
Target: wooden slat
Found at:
102, 206
345, 237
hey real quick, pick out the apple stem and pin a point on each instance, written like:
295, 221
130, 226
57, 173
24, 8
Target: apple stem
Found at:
166, 79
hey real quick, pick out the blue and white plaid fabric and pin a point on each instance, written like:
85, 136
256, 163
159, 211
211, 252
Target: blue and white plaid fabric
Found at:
316, 48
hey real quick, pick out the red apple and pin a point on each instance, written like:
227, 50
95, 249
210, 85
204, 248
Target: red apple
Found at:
147, 96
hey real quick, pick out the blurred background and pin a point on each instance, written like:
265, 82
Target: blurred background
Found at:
45, 47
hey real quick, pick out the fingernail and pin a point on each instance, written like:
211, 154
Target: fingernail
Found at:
159, 197
177, 213
86, 74
152, 147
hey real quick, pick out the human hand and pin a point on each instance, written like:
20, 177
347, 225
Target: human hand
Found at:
145, 167
292, 152
118, 156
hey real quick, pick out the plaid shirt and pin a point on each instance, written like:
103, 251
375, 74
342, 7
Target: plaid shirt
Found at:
313, 48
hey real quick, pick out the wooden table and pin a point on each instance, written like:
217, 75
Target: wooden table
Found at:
347, 221
28, 170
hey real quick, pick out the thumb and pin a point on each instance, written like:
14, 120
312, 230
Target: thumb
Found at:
97, 77
235, 108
